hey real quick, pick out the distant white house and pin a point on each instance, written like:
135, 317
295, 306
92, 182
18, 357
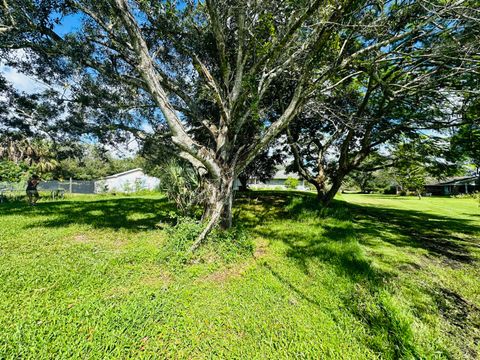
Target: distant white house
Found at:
128, 181
277, 181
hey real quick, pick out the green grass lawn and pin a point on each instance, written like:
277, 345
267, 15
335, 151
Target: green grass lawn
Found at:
372, 277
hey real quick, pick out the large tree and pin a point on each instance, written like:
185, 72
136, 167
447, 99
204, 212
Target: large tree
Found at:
334, 134
208, 68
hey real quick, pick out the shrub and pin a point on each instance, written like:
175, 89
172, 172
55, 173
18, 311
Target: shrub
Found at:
475, 196
127, 187
222, 246
182, 235
292, 183
391, 190
12, 172
139, 185
181, 184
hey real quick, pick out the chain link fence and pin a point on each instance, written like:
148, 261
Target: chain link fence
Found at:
16, 191
72, 186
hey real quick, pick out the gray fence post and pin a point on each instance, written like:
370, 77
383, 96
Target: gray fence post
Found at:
71, 186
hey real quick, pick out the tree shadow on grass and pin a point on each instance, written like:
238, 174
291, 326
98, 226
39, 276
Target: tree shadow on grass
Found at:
447, 239
132, 214
325, 238
266, 206
332, 236
477, 215
330, 240
287, 283
328, 244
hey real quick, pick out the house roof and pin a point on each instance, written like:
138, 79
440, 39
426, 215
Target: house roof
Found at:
123, 173
458, 180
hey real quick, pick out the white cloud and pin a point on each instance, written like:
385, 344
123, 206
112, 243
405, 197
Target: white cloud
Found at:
21, 81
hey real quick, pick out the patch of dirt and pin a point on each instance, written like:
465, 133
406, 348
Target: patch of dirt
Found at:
118, 243
226, 274
237, 270
260, 250
86, 239
117, 292
157, 279
81, 238
464, 317
457, 310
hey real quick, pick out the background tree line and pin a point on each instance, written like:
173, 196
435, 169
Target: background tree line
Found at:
22, 158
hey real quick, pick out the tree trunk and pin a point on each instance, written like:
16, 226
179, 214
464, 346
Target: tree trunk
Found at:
218, 208
363, 186
419, 194
330, 194
320, 189
226, 218
243, 182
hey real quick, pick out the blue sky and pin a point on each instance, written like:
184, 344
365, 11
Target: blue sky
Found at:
68, 24
28, 84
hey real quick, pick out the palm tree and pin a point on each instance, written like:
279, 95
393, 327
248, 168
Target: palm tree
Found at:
36, 153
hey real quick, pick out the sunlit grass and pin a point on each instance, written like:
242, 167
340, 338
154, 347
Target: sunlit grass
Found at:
372, 277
